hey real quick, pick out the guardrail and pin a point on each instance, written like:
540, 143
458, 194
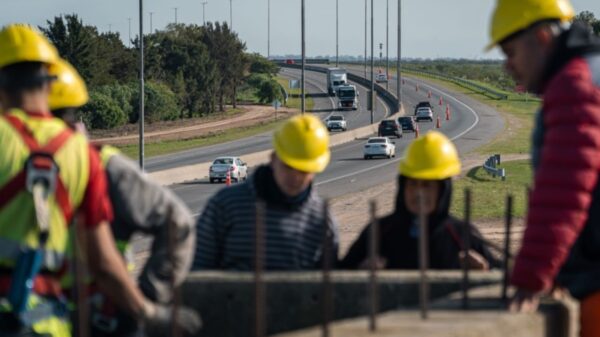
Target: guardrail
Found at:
459, 81
491, 166
387, 97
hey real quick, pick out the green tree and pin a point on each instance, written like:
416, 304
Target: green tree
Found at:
588, 18
103, 112
259, 64
268, 91
160, 103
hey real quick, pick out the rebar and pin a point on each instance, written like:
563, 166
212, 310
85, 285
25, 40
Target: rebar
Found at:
259, 285
466, 233
373, 255
327, 291
172, 237
508, 224
423, 257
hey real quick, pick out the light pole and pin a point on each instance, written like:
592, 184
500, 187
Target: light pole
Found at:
268, 29
231, 14
151, 22
175, 9
337, 32
372, 64
141, 109
203, 10
129, 44
398, 80
387, 44
365, 38
302, 99
110, 27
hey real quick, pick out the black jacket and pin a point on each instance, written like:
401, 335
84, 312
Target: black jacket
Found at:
399, 237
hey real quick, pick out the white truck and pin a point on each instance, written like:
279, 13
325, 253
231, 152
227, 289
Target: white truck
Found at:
335, 78
347, 97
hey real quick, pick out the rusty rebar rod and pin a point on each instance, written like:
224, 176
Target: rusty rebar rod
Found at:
466, 238
172, 237
507, 232
423, 257
373, 256
259, 285
326, 287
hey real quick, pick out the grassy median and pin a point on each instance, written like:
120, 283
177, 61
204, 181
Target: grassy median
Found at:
294, 95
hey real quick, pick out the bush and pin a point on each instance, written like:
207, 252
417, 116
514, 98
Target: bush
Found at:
122, 95
269, 91
160, 103
103, 112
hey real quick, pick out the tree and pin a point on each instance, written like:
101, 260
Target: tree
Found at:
589, 19
259, 64
268, 91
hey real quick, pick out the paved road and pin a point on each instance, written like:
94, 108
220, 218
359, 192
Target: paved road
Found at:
472, 124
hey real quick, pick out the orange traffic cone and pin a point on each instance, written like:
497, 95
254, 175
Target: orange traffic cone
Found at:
228, 178
447, 112
429, 94
438, 123
417, 131
441, 101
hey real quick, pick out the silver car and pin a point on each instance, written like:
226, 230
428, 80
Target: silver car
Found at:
379, 146
424, 113
238, 170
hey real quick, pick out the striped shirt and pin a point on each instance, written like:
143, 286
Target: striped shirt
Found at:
293, 236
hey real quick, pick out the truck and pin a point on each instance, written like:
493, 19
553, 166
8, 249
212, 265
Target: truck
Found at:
335, 78
347, 97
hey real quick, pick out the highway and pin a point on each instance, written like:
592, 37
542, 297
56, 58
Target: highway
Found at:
472, 124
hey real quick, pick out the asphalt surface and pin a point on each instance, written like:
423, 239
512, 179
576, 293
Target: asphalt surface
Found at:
472, 124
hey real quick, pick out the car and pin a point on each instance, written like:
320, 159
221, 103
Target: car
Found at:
381, 77
336, 122
238, 170
424, 104
379, 146
424, 113
389, 127
289, 61
407, 123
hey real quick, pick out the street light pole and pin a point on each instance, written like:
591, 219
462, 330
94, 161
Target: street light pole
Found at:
268, 29
365, 39
175, 9
398, 80
203, 10
337, 32
231, 14
372, 64
151, 22
141, 109
302, 99
129, 43
387, 44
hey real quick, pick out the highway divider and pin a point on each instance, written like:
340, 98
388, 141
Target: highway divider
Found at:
200, 171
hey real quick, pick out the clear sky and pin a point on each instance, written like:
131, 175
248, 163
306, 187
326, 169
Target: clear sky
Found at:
430, 28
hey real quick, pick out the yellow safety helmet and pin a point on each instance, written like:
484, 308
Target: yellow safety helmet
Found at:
68, 90
21, 43
303, 144
431, 157
512, 16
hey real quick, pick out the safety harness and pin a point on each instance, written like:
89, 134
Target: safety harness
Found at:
40, 176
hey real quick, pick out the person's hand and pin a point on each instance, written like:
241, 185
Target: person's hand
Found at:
473, 260
158, 320
380, 263
524, 301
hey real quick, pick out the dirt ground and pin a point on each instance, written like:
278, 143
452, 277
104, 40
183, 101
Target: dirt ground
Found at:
190, 128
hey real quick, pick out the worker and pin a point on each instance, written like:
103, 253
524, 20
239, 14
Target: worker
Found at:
427, 169
560, 62
140, 207
50, 179
295, 219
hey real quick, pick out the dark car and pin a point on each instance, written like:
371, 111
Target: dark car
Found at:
389, 127
407, 123
424, 104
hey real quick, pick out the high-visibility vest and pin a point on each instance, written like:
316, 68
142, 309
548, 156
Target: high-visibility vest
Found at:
20, 134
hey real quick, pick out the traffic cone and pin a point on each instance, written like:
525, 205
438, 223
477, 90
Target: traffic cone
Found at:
447, 112
441, 101
417, 131
429, 94
438, 123
228, 178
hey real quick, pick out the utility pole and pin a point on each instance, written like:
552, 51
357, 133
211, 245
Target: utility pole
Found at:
268, 29
398, 80
372, 65
387, 44
110, 27
231, 14
141, 109
151, 22
129, 44
365, 39
175, 9
203, 11
337, 33
303, 99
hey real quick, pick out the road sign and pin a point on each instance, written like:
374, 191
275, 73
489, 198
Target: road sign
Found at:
294, 84
276, 104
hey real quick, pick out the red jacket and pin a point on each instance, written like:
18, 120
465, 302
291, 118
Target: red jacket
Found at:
566, 157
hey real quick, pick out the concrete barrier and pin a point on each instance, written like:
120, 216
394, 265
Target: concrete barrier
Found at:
293, 299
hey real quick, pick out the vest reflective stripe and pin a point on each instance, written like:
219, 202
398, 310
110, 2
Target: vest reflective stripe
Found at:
10, 250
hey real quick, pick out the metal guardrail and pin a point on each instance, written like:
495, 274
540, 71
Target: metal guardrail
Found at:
387, 96
491, 166
459, 81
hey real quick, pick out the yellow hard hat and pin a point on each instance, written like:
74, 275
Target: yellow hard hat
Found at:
512, 16
21, 43
431, 157
303, 144
68, 90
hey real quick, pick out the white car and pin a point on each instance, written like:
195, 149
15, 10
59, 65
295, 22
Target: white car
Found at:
238, 170
424, 113
379, 146
381, 77
336, 122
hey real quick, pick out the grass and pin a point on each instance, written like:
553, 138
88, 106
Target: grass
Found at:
172, 146
294, 102
490, 193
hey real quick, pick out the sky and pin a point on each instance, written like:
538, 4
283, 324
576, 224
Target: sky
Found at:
430, 28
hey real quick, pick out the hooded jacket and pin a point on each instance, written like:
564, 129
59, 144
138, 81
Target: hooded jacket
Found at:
399, 237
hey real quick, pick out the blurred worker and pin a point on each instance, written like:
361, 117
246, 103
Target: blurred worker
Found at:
561, 63
140, 206
427, 168
294, 219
